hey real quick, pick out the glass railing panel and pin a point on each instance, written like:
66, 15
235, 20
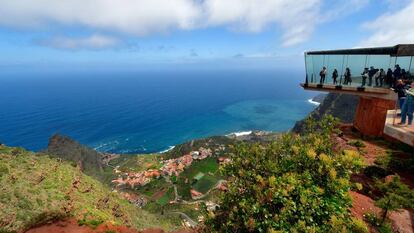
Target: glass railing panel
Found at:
379, 61
356, 66
309, 68
334, 64
318, 62
404, 63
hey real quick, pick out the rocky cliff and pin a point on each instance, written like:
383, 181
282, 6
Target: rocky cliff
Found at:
341, 106
89, 160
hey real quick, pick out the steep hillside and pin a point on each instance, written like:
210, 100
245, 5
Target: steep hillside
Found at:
89, 160
341, 106
35, 189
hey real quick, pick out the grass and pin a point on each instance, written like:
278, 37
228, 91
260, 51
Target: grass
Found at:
208, 166
36, 188
205, 183
167, 197
137, 163
152, 187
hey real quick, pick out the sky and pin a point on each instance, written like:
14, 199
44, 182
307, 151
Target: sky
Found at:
191, 34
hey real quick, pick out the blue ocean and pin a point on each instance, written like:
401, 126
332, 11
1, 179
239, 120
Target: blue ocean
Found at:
146, 111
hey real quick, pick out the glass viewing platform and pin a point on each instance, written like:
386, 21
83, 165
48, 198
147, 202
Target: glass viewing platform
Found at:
369, 70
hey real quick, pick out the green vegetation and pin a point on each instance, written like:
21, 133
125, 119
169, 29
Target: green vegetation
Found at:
296, 184
167, 197
154, 186
137, 163
395, 195
37, 188
357, 143
380, 226
206, 166
358, 226
206, 183
209, 167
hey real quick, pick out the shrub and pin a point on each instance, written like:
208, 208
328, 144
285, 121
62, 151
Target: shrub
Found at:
382, 227
395, 195
295, 184
357, 143
358, 226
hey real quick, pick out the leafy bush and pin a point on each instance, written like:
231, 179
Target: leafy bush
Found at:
295, 184
357, 143
358, 226
382, 227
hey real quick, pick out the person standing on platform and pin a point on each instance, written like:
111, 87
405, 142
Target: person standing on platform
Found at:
323, 75
347, 77
408, 107
400, 89
389, 80
364, 77
335, 76
379, 77
397, 72
372, 71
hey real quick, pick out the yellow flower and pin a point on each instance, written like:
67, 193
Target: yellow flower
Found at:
311, 154
332, 173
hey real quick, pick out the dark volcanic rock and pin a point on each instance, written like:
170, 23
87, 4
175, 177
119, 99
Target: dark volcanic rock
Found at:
341, 106
66, 148
319, 98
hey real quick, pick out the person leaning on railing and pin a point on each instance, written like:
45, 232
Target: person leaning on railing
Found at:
408, 107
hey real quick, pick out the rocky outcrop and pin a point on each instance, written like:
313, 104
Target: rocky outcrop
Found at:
341, 106
89, 160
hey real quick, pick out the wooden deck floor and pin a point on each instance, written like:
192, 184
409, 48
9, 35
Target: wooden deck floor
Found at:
383, 93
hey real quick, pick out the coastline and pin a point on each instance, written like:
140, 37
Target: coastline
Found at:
311, 101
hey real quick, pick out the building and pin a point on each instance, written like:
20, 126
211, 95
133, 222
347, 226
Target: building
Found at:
375, 101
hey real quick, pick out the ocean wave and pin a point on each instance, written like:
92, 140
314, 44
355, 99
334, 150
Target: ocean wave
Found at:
241, 133
313, 102
165, 151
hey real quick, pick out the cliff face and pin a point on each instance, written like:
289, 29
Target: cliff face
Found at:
68, 149
341, 106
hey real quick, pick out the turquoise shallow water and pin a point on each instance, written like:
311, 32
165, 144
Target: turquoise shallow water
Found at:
146, 111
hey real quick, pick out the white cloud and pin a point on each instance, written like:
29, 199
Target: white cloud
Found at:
139, 17
91, 42
296, 18
391, 28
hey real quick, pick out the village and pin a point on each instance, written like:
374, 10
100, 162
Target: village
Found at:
170, 170
171, 167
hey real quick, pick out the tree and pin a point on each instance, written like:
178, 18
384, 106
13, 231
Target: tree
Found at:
295, 184
395, 195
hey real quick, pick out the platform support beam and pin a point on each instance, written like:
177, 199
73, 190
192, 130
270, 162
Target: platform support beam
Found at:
371, 115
